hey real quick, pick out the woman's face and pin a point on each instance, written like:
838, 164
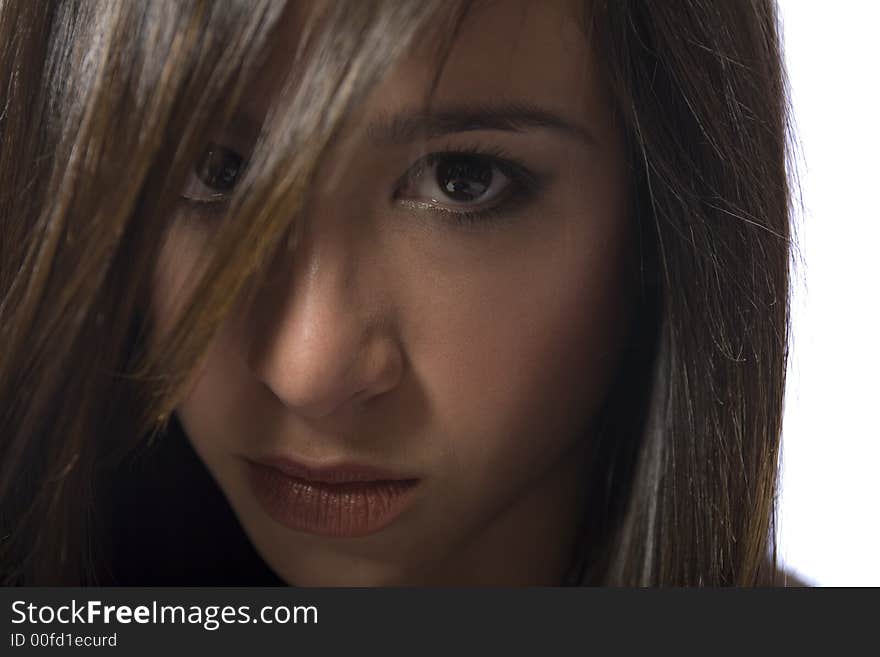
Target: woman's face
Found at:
456, 327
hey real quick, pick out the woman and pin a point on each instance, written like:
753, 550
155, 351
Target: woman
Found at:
382, 293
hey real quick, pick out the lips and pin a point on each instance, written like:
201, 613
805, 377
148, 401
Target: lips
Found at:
347, 500
332, 475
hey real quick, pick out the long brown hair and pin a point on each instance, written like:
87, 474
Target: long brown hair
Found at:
105, 108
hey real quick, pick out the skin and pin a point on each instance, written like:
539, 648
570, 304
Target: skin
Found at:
474, 358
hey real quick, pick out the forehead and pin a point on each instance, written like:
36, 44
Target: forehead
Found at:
518, 49
502, 51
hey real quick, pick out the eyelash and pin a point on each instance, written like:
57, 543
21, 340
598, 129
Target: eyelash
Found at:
212, 203
523, 186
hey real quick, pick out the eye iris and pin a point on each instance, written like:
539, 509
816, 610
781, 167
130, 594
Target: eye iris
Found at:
464, 178
220, 168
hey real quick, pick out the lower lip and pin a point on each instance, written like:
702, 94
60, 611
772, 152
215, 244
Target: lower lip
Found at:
336, 510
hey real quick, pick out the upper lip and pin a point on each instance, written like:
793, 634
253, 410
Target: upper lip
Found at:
339, 473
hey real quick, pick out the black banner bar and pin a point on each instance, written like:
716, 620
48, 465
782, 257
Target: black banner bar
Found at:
134, 621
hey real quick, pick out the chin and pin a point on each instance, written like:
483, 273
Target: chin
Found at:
342, 573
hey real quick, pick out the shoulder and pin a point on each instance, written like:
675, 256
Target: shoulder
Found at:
781, 577
788, 579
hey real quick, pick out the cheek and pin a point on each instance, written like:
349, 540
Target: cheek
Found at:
175, 272
209, 411
213, 386
520, 364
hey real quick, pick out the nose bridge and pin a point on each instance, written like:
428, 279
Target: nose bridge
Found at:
315, 331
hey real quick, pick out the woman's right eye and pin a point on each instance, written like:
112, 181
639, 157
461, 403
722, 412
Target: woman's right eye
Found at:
214, 175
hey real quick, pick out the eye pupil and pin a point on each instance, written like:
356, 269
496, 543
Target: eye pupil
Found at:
464, 178
220, 168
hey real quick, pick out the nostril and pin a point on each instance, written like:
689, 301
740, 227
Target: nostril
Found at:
318, 378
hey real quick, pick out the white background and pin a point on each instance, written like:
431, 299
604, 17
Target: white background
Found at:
830, 499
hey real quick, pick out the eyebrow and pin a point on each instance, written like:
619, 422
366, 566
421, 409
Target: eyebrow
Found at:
410, 125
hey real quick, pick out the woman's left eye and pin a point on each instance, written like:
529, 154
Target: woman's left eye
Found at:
465, 185
214, 175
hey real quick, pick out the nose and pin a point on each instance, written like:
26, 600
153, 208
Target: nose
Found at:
324, 342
